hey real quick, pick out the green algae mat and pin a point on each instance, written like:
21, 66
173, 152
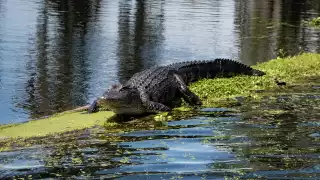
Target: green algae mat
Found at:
301, 69
63, 122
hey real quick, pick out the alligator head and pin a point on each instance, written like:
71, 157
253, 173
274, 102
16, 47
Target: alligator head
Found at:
121, 100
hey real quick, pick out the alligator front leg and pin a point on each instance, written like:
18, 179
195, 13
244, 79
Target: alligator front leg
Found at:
151, 106
187, 95
93, 107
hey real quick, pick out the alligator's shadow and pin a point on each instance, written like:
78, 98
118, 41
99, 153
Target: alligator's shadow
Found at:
126, 118
174, 115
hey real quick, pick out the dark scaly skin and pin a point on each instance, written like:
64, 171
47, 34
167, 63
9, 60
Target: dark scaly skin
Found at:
160, 88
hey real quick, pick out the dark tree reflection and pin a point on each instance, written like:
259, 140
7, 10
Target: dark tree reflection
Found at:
273, 28
291, 16
59, 79
140, 38
254, 20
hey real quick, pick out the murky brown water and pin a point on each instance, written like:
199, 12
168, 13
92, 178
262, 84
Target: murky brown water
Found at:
56, 55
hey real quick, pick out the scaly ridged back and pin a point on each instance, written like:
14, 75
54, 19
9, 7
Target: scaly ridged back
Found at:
194, 70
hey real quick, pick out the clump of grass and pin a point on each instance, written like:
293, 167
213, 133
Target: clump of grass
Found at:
290, 70
314, 22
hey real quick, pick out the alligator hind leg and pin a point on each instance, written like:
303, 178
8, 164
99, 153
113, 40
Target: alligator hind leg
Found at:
187, 95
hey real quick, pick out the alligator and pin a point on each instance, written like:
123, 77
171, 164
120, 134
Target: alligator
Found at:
160, 88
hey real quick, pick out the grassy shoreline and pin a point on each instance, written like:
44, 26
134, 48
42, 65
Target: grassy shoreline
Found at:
213, 92
299, 69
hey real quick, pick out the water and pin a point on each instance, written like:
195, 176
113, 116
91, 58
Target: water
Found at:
243, 142
56, 55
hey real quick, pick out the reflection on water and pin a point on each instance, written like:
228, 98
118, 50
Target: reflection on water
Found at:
59, 54
140, 35
248, 142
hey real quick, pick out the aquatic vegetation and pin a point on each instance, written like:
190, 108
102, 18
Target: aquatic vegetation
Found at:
302, 70
58, 123
314, 22
292, 70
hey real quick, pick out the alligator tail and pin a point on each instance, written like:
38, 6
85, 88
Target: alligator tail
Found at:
194, 70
